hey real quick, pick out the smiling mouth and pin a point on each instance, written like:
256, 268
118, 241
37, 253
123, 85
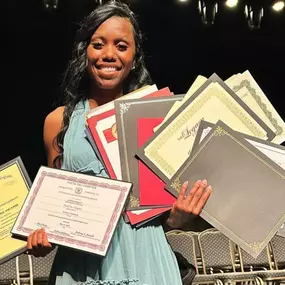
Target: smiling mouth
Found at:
108, 69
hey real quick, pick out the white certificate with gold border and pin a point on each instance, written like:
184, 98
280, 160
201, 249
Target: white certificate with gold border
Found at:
170, 146
199, 81
14, 188
77, 210
250, 92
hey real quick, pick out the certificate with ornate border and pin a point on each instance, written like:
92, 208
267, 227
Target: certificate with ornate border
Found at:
274, 151
250, 92
172, 143
127, 113
145, 90
14, 187
77, 210
104, 132
246, 183
102, 125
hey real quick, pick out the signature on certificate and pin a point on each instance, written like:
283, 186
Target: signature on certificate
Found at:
189, 132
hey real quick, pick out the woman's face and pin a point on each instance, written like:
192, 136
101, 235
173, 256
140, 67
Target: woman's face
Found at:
111, 53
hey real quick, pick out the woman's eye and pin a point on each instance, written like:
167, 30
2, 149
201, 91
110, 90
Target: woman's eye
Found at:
97, 45
122, 47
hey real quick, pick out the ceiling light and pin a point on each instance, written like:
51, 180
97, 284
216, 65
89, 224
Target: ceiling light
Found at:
254, 16
231, 3
278, 6
208, 11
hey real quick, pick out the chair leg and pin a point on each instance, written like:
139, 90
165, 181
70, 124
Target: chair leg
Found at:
259, 281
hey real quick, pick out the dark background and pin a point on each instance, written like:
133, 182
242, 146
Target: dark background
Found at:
36, 45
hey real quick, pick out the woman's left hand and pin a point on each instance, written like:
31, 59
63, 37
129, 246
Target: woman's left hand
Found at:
188, 205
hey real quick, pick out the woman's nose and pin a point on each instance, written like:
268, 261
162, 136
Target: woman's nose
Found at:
109, 53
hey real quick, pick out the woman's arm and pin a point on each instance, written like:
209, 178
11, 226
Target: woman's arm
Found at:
52, 127
38, 243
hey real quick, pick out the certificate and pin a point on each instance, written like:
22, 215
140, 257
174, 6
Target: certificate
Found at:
104, 131
200, 80
102, 125
14, 187
249, 91
128, 111
135, 94
171, 144
274, 151
77, 210
246, 183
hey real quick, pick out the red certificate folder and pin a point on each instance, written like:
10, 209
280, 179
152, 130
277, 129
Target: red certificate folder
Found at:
146, 215
151, 187
110, 133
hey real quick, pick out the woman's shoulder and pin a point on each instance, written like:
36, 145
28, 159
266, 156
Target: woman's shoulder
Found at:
53, 124
54, 118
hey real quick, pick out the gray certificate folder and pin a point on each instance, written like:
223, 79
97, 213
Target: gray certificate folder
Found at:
127, 113
247, 202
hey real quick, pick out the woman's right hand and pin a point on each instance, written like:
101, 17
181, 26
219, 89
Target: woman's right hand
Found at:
38, 244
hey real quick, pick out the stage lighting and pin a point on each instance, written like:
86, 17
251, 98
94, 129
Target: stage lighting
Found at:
51, 4
208, 10
254, 14
278, 6
231, 3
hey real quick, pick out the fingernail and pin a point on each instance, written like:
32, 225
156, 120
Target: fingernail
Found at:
198, 182
185, 184
204, 182
209, 188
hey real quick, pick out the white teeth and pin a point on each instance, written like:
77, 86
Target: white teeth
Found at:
108, 69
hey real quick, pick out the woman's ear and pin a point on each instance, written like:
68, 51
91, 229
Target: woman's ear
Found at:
134, 65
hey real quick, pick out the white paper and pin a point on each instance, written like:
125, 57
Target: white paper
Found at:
76, 210
111, 148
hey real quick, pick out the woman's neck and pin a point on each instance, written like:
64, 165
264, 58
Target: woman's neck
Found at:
100, 96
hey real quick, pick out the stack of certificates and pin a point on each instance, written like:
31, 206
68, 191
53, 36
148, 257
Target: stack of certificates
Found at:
227, 132
151, 141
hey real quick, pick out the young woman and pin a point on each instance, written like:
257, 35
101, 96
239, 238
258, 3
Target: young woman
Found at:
108, 62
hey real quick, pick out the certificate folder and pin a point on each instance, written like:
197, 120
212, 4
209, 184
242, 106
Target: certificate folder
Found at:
247, 202
14, 187
128, 111
172, 143
77, 210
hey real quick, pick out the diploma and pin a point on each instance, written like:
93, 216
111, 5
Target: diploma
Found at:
128, 112
200, 80
273, 151
249, 91
14, 187
245, 183
172, 143
77, 210
102, 124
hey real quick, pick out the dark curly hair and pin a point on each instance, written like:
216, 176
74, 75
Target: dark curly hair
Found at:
76, 79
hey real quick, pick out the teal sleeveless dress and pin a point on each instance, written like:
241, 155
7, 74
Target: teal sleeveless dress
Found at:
135, 257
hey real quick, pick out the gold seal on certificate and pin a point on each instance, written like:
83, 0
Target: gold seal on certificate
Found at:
77, 210
14, 187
